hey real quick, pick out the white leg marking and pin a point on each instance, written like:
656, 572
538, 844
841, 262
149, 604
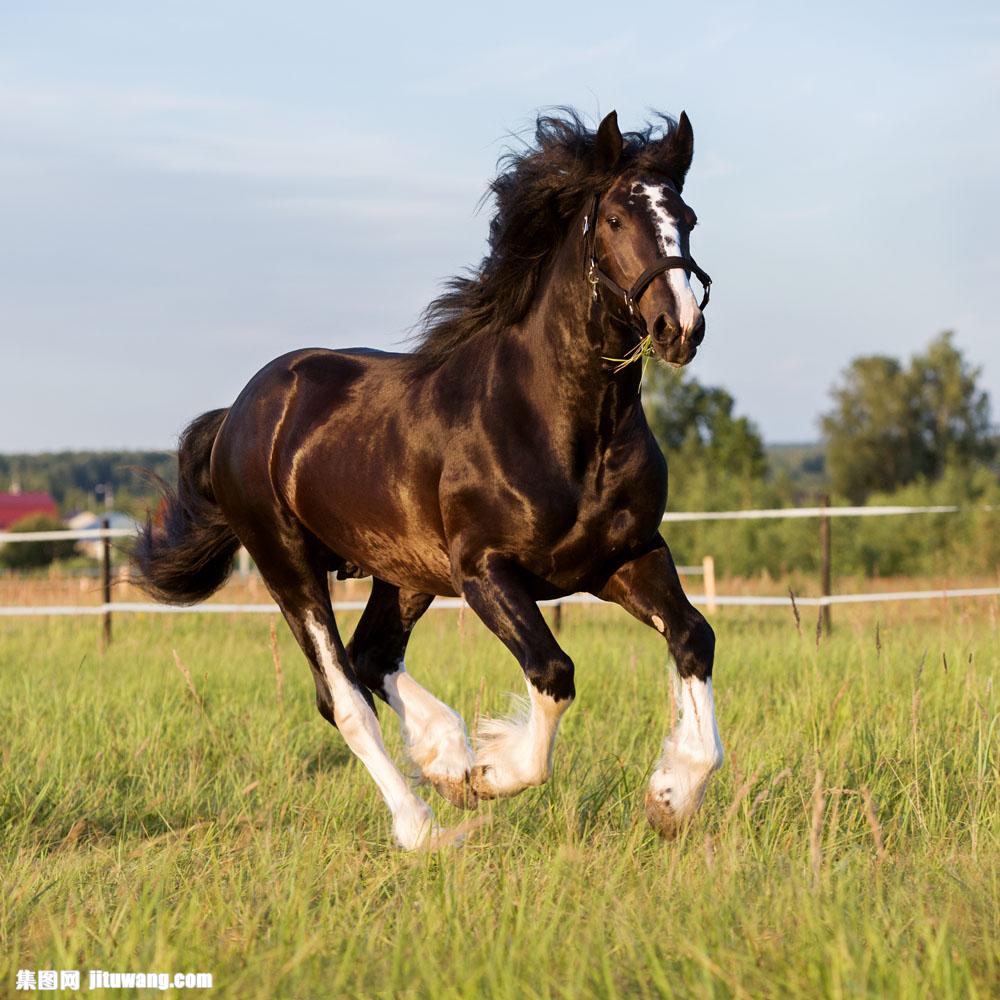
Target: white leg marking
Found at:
691, 753
435, 736
412, 819
517, 752
668, 239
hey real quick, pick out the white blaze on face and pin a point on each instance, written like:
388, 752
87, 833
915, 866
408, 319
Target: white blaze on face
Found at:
669, 242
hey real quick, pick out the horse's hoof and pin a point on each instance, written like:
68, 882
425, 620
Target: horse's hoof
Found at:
662, 817
481, 784
458, 791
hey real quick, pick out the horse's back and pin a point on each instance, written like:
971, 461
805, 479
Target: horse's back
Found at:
321, 367
311, 384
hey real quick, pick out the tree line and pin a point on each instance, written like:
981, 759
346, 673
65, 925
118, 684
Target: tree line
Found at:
78, 480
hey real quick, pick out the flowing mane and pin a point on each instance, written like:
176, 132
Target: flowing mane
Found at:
538, 192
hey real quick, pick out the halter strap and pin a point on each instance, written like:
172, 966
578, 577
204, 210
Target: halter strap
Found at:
630, 296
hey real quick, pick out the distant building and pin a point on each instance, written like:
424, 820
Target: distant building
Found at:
14, 506
86, 520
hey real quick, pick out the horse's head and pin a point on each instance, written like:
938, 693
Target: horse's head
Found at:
639, 234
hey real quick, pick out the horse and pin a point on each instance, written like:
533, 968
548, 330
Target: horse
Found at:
506, 459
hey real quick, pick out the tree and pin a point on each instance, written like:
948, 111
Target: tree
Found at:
890, 425
686, 415
872, 442
717, 462
954, 412
34, 555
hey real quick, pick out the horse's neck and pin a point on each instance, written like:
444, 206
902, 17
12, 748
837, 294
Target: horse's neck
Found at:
569, 343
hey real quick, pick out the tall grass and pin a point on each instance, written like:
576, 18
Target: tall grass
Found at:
849, 846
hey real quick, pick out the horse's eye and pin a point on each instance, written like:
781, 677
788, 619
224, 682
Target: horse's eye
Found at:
614, 222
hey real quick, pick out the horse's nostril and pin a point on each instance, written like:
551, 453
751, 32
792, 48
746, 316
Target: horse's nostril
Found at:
698, 333
663, 329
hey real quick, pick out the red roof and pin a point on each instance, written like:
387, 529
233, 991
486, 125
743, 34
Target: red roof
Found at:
14, 506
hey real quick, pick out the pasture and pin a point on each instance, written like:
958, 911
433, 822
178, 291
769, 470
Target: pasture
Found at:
848, 847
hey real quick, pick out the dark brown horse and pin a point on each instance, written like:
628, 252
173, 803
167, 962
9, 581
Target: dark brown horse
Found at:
506, 460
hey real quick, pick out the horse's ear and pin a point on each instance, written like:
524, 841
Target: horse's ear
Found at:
608, 148
682, 149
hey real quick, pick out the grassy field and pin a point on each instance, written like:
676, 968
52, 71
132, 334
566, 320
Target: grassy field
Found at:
849, 846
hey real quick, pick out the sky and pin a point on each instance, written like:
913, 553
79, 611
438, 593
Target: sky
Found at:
190, 189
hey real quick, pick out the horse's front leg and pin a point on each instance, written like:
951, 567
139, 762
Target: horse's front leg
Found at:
649, 588
514, 753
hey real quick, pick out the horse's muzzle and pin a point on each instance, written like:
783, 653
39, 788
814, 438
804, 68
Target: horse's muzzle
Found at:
674, 345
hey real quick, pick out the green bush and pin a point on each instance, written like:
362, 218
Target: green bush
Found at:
35, 555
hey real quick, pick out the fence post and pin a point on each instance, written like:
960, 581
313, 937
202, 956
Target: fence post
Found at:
106, 584
708, 575
557, 618
825, 563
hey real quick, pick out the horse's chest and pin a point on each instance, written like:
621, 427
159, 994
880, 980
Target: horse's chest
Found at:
617, 519
606, 522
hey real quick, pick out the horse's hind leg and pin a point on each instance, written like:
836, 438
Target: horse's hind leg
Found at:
295, 573
435, 735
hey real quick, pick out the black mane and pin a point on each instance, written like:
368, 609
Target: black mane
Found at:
538, 192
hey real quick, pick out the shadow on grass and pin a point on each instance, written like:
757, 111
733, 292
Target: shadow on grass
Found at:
328, 757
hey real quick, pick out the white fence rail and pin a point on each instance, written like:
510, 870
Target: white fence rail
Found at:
452, 603
710, 598
96, 534
67, 535
793, 512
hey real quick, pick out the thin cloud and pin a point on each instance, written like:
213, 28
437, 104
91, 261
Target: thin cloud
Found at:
180, 133
524, 65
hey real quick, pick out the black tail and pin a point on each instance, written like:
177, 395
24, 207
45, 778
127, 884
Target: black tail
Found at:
187, 554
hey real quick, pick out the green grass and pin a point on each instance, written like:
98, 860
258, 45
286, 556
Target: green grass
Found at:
141, 832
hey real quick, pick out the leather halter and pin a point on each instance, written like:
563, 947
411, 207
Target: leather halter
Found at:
630, 296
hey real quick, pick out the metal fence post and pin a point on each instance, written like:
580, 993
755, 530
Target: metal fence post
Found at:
557, 618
